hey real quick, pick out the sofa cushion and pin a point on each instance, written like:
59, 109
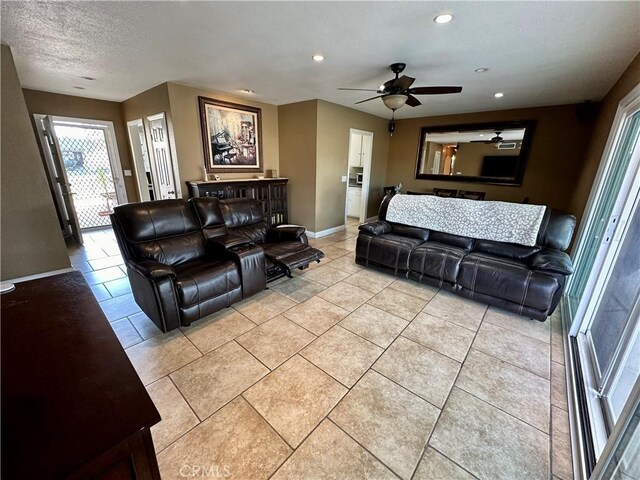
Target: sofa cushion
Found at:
510, 280
202, 280
437, 260
165, 231
409, 231
506, 250
209, 216
465, 243
389, 250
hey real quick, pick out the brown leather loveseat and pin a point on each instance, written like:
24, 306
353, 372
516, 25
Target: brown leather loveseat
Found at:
182, 261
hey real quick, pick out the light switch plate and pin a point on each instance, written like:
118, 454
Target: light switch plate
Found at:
344, 179
127, 173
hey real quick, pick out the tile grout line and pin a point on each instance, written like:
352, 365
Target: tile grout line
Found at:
444, 405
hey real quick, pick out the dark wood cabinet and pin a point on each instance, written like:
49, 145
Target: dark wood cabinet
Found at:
72, 404
272, 192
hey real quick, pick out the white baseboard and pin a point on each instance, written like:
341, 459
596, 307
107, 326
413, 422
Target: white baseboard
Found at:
324, 233
39, 275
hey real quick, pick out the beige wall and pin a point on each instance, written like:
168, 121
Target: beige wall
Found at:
554, 164
334, 122
297, 132
30, 234
188, 134
79, 107
627, 81
150, 102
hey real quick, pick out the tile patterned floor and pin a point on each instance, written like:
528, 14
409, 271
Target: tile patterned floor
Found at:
343, 372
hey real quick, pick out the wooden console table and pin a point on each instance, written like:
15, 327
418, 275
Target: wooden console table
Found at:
72, 404
271, 191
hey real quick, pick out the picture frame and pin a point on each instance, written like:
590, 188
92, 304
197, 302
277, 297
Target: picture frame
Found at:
231, 136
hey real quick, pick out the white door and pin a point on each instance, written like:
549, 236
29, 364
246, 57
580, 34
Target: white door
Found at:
162, 168
138, 143
360, 153
355, 150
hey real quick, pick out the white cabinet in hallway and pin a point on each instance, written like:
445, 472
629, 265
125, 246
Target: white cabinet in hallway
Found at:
354, 197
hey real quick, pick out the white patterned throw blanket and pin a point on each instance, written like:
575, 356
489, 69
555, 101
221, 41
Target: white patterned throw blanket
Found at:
497, 221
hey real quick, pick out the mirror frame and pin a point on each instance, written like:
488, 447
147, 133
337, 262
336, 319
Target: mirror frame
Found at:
528, 125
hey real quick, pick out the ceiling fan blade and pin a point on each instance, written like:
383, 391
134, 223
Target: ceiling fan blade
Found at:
480, 141
403, 82
372, 98
413, 101
360, 89
434, 90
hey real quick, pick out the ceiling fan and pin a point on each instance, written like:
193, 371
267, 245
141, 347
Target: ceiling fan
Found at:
496, 139
398, 91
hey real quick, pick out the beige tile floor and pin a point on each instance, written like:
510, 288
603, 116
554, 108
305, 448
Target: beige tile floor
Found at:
344, 372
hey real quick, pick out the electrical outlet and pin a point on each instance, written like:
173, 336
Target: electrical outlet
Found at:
127, 173
344, 179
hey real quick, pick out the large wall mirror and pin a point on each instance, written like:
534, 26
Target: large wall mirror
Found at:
483, 153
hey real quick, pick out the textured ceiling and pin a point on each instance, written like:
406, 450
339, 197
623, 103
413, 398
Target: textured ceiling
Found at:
538, 53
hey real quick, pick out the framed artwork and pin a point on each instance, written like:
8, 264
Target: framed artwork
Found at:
231, 136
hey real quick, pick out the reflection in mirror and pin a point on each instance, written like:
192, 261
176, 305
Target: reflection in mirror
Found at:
488, 153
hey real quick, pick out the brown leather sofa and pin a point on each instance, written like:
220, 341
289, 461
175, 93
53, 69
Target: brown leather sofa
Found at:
182, 261
525, 280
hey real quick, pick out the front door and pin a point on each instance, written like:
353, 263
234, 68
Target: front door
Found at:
60, 182
84, 169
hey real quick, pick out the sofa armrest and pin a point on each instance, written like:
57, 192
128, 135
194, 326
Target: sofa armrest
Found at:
247, 255
379, 227
152, 270
291, 233
548, 260
228, 243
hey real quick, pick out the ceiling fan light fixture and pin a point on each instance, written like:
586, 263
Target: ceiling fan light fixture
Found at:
443, 18
394, 102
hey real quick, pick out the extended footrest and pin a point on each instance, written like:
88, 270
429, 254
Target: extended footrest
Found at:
285, 256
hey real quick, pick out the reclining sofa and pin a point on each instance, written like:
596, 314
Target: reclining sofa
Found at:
527, 280
185, 263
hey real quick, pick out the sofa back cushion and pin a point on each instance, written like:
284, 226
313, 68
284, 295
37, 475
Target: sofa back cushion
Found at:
245, 218
506, 250
465, 243
556, 230
409, 231
209, 216
164, 230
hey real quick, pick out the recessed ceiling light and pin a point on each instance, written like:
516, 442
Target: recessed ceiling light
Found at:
79, 88
91, 79
481, 70
248, 90
318, 58
481, 134
443, 18
498, 95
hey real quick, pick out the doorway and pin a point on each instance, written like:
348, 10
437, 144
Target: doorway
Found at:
156, 171
359, 173
84, 171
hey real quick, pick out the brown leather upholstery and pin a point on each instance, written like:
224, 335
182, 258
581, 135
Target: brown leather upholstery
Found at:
285, 247
526, 280
176, 276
